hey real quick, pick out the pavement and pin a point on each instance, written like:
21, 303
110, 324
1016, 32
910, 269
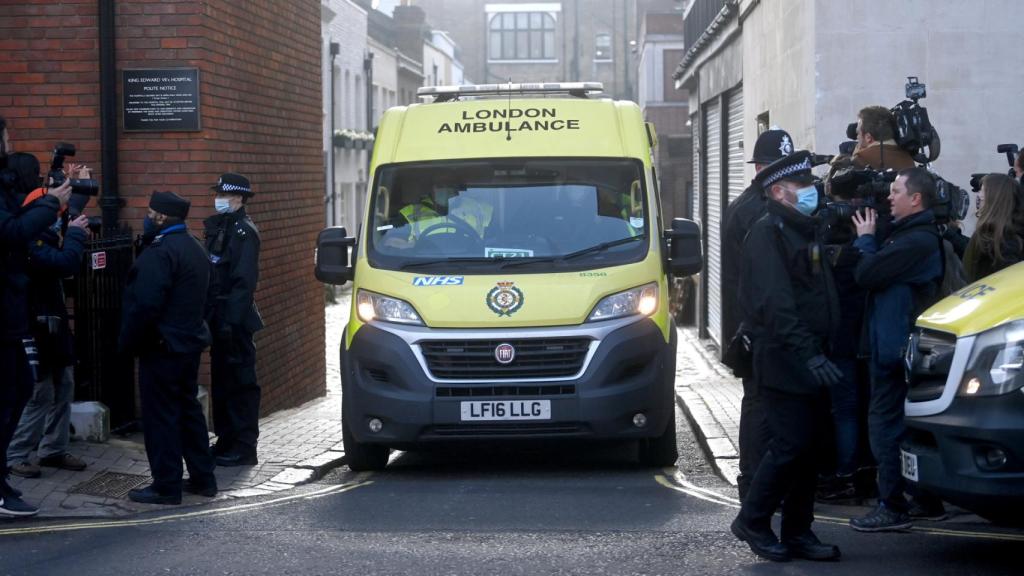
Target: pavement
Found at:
300, 445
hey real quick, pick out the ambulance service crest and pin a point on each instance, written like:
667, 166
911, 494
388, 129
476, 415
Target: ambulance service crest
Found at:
505, 299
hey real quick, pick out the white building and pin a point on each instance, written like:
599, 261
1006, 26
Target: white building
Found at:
347, 133
810, 65
441, 66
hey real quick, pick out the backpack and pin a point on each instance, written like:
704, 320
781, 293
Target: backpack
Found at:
953, 276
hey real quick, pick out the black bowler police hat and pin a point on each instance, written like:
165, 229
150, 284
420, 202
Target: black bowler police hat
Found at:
770, 146
231, 183
796, 168
169, 204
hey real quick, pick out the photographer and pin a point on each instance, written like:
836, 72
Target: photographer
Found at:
996, 242
55, 255
876, 141
18, 226
902, 276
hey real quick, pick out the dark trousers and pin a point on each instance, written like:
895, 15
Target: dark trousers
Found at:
754, 435
885, 431
848, 402
236, 394
15, 390
788, 471
172, 420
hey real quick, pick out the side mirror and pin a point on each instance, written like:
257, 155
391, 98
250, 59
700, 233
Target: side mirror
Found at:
332, 247
684, 248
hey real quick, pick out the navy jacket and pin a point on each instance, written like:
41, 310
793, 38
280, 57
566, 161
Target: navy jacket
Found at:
739, 218
50, 262
902, 276
19, 226
233, 246
165, 296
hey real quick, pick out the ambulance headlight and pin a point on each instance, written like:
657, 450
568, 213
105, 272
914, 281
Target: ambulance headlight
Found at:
996, 365
641, 300
373, 306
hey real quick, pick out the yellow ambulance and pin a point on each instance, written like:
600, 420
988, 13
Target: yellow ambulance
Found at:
510, 276
965, 400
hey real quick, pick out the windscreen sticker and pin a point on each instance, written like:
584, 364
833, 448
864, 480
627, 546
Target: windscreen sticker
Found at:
507, 253
438, 280
509, 120
385, 227
636, 222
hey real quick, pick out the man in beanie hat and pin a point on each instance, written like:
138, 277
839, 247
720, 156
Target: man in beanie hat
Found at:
740, 215
790, 307
233, 247
163, 324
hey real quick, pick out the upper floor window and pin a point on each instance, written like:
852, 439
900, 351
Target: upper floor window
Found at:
603, 48
522, 36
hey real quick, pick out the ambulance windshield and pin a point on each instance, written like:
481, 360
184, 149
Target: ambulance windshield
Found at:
483, 215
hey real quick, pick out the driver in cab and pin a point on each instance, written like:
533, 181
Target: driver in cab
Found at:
442, 211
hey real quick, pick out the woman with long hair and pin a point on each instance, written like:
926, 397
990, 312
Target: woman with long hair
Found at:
996, 242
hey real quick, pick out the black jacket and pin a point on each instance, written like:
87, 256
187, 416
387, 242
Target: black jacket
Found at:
739, 217
233, 246
50, 262
789, 298
165, 296
19, 226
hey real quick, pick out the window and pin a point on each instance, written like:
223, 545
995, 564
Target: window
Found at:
603, 48
522, 36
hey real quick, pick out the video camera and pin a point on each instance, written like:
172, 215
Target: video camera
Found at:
1011, 151
82, 186
914, 132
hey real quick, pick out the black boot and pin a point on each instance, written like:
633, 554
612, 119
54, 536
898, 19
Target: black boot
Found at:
240, 455
808, 547
764, 543
150, 495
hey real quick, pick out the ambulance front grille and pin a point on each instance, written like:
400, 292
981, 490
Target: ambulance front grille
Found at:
534, 358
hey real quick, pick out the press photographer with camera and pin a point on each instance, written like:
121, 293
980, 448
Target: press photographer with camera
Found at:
19, 225
997, 241
903, 276
876, 141
56, 254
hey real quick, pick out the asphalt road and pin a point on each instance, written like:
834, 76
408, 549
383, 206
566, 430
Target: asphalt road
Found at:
488, 510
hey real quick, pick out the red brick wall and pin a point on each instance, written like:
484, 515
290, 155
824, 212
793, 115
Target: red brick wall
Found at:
260, 99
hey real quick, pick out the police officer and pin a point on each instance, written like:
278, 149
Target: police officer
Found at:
791, 307
739, 217
233, 246
163, 324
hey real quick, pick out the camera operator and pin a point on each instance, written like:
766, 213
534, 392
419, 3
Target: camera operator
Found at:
56, 254
876, 141
996, 242
902, 276
740, 215
18, 227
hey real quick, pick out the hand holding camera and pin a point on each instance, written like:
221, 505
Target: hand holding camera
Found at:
61, 191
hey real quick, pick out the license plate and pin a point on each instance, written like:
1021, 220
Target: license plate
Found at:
908, 463
506, 410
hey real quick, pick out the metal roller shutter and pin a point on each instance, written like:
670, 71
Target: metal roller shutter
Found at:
713, 178
695, 199
735, 138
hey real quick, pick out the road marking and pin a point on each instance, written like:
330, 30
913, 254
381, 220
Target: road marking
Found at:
675, 480
328, 491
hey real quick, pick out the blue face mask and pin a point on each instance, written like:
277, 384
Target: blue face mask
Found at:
807, 200
149, 227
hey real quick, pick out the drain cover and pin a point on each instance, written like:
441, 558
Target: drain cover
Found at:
110, 484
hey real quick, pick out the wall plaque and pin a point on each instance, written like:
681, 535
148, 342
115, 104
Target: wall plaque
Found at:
160, 99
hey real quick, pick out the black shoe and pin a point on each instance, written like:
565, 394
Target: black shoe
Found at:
149, 495
763, 543
808, 547
238, 457
930, 513
208, 490
882, 519
220, 447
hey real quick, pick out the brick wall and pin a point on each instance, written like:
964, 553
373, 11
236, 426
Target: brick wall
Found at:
260, 98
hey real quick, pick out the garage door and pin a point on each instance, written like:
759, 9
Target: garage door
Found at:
696, 190
713, 178
734, 136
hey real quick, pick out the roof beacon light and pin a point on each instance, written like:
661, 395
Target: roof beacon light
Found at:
447, 93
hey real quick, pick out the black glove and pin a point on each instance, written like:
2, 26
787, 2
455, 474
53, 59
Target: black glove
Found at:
825, 373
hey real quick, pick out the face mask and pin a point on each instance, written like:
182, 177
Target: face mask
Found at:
807, 200
222, 205
149, 227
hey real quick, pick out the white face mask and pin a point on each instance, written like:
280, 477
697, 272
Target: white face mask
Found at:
222, 205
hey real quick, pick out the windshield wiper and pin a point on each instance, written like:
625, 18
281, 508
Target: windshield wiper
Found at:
457, 260
589, 250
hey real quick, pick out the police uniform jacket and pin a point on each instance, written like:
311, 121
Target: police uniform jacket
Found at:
233, 246
19, 226
739, 217
789, 299
165, 296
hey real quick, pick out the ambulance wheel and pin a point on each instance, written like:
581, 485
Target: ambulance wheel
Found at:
363, 457
660, 451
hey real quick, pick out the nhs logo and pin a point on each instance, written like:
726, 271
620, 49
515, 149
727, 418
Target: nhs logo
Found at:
437, 281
